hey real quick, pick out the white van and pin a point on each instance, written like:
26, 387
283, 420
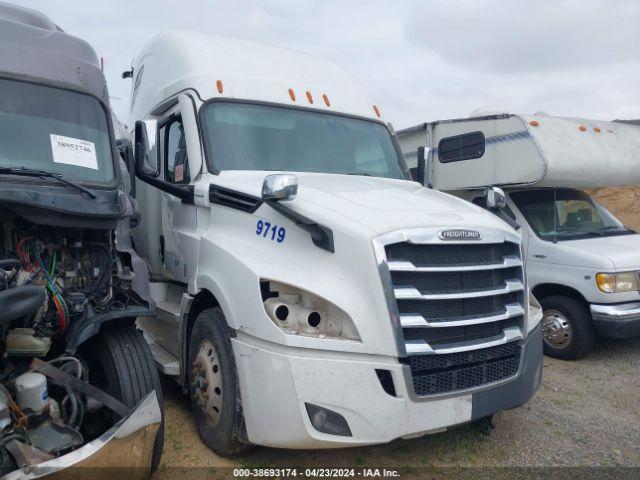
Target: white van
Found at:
582, 263
310, 295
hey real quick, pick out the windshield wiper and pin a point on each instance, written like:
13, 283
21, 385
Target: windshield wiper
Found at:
29, 172
364, 174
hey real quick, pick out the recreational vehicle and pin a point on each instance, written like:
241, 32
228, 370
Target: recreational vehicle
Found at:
582, 263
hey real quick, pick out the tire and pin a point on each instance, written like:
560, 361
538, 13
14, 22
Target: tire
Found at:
213, 385
567, 328
127, 371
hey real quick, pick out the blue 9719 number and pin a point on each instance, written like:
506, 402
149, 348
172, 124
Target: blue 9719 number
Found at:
272, 232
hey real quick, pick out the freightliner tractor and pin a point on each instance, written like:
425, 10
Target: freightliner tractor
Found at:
309, 293
79, 391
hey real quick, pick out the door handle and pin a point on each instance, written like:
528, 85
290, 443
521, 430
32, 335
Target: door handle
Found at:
539, 255
162, 249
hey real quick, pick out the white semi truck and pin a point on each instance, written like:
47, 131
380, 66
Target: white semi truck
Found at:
309, 294
582, 262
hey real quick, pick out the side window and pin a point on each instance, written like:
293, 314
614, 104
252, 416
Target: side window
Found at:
174, 147
461, 147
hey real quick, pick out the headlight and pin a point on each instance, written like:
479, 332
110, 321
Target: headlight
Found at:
617, 282
299, 312
535, 312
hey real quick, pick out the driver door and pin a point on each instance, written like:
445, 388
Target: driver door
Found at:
180, 160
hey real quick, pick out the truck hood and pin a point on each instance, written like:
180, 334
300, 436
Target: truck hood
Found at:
622, 250
382, 205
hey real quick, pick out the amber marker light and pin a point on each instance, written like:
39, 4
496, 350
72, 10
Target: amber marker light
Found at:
326, 100
309, 97
375, 109
292, 94
220, 86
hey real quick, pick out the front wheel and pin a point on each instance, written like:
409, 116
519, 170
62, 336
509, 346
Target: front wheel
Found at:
213, 384
567, 328
124, 367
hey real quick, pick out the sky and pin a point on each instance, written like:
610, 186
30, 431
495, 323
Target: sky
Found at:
420, 60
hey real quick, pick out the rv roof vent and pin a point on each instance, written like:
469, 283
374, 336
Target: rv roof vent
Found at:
488, 110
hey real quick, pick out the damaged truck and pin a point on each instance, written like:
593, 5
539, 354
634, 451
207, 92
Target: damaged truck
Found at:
78, 382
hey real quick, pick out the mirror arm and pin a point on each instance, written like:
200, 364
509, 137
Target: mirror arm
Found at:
185, 193
321, 236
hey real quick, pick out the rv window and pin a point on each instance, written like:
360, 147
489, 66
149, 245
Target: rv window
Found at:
566, 214
461, 147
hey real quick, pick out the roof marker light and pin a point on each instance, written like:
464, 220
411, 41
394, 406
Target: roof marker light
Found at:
534, 123
309, 97
292, 94
597, 129
582, 128
375, 109
326, 100
220, 86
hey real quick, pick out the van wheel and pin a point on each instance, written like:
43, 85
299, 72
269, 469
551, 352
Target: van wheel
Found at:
126, 370
213, 384
567, 328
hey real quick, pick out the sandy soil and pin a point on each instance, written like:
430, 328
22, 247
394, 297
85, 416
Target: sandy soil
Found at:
585, 414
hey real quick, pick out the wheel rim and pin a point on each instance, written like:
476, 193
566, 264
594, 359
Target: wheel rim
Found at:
206, 381
556, 329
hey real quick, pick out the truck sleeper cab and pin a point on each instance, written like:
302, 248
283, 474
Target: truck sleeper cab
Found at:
309, 294
79, 386
582, 262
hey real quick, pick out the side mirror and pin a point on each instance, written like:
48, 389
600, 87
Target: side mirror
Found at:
143, 144
422, 165
282, 186
496, 198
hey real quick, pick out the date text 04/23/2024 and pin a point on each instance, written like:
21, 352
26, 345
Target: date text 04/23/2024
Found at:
270, 231
316, 472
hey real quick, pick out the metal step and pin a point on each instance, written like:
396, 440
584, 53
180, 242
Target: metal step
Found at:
167, 363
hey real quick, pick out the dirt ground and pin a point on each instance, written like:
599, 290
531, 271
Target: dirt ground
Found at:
587, 413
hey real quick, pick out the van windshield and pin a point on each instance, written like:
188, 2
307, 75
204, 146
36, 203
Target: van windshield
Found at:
565, 214
56, 130
242, 136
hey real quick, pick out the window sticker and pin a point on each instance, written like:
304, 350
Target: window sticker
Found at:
73, 151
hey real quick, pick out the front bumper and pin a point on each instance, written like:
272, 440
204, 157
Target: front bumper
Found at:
276, 382
124, 451
620, 320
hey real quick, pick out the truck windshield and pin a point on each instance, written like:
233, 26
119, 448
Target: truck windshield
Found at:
243, 136
566, 214
55, 130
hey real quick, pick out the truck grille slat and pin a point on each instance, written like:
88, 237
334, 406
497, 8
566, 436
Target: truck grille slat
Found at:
462, 312
439, 374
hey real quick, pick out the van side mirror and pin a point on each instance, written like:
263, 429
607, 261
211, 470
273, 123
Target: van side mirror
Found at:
144, 140
496, 198
281, 186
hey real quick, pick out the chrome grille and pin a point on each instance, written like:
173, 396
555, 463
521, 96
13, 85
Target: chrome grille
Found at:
460, 305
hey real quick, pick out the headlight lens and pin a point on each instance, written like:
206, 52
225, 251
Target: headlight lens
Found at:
617, 282
299, 312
